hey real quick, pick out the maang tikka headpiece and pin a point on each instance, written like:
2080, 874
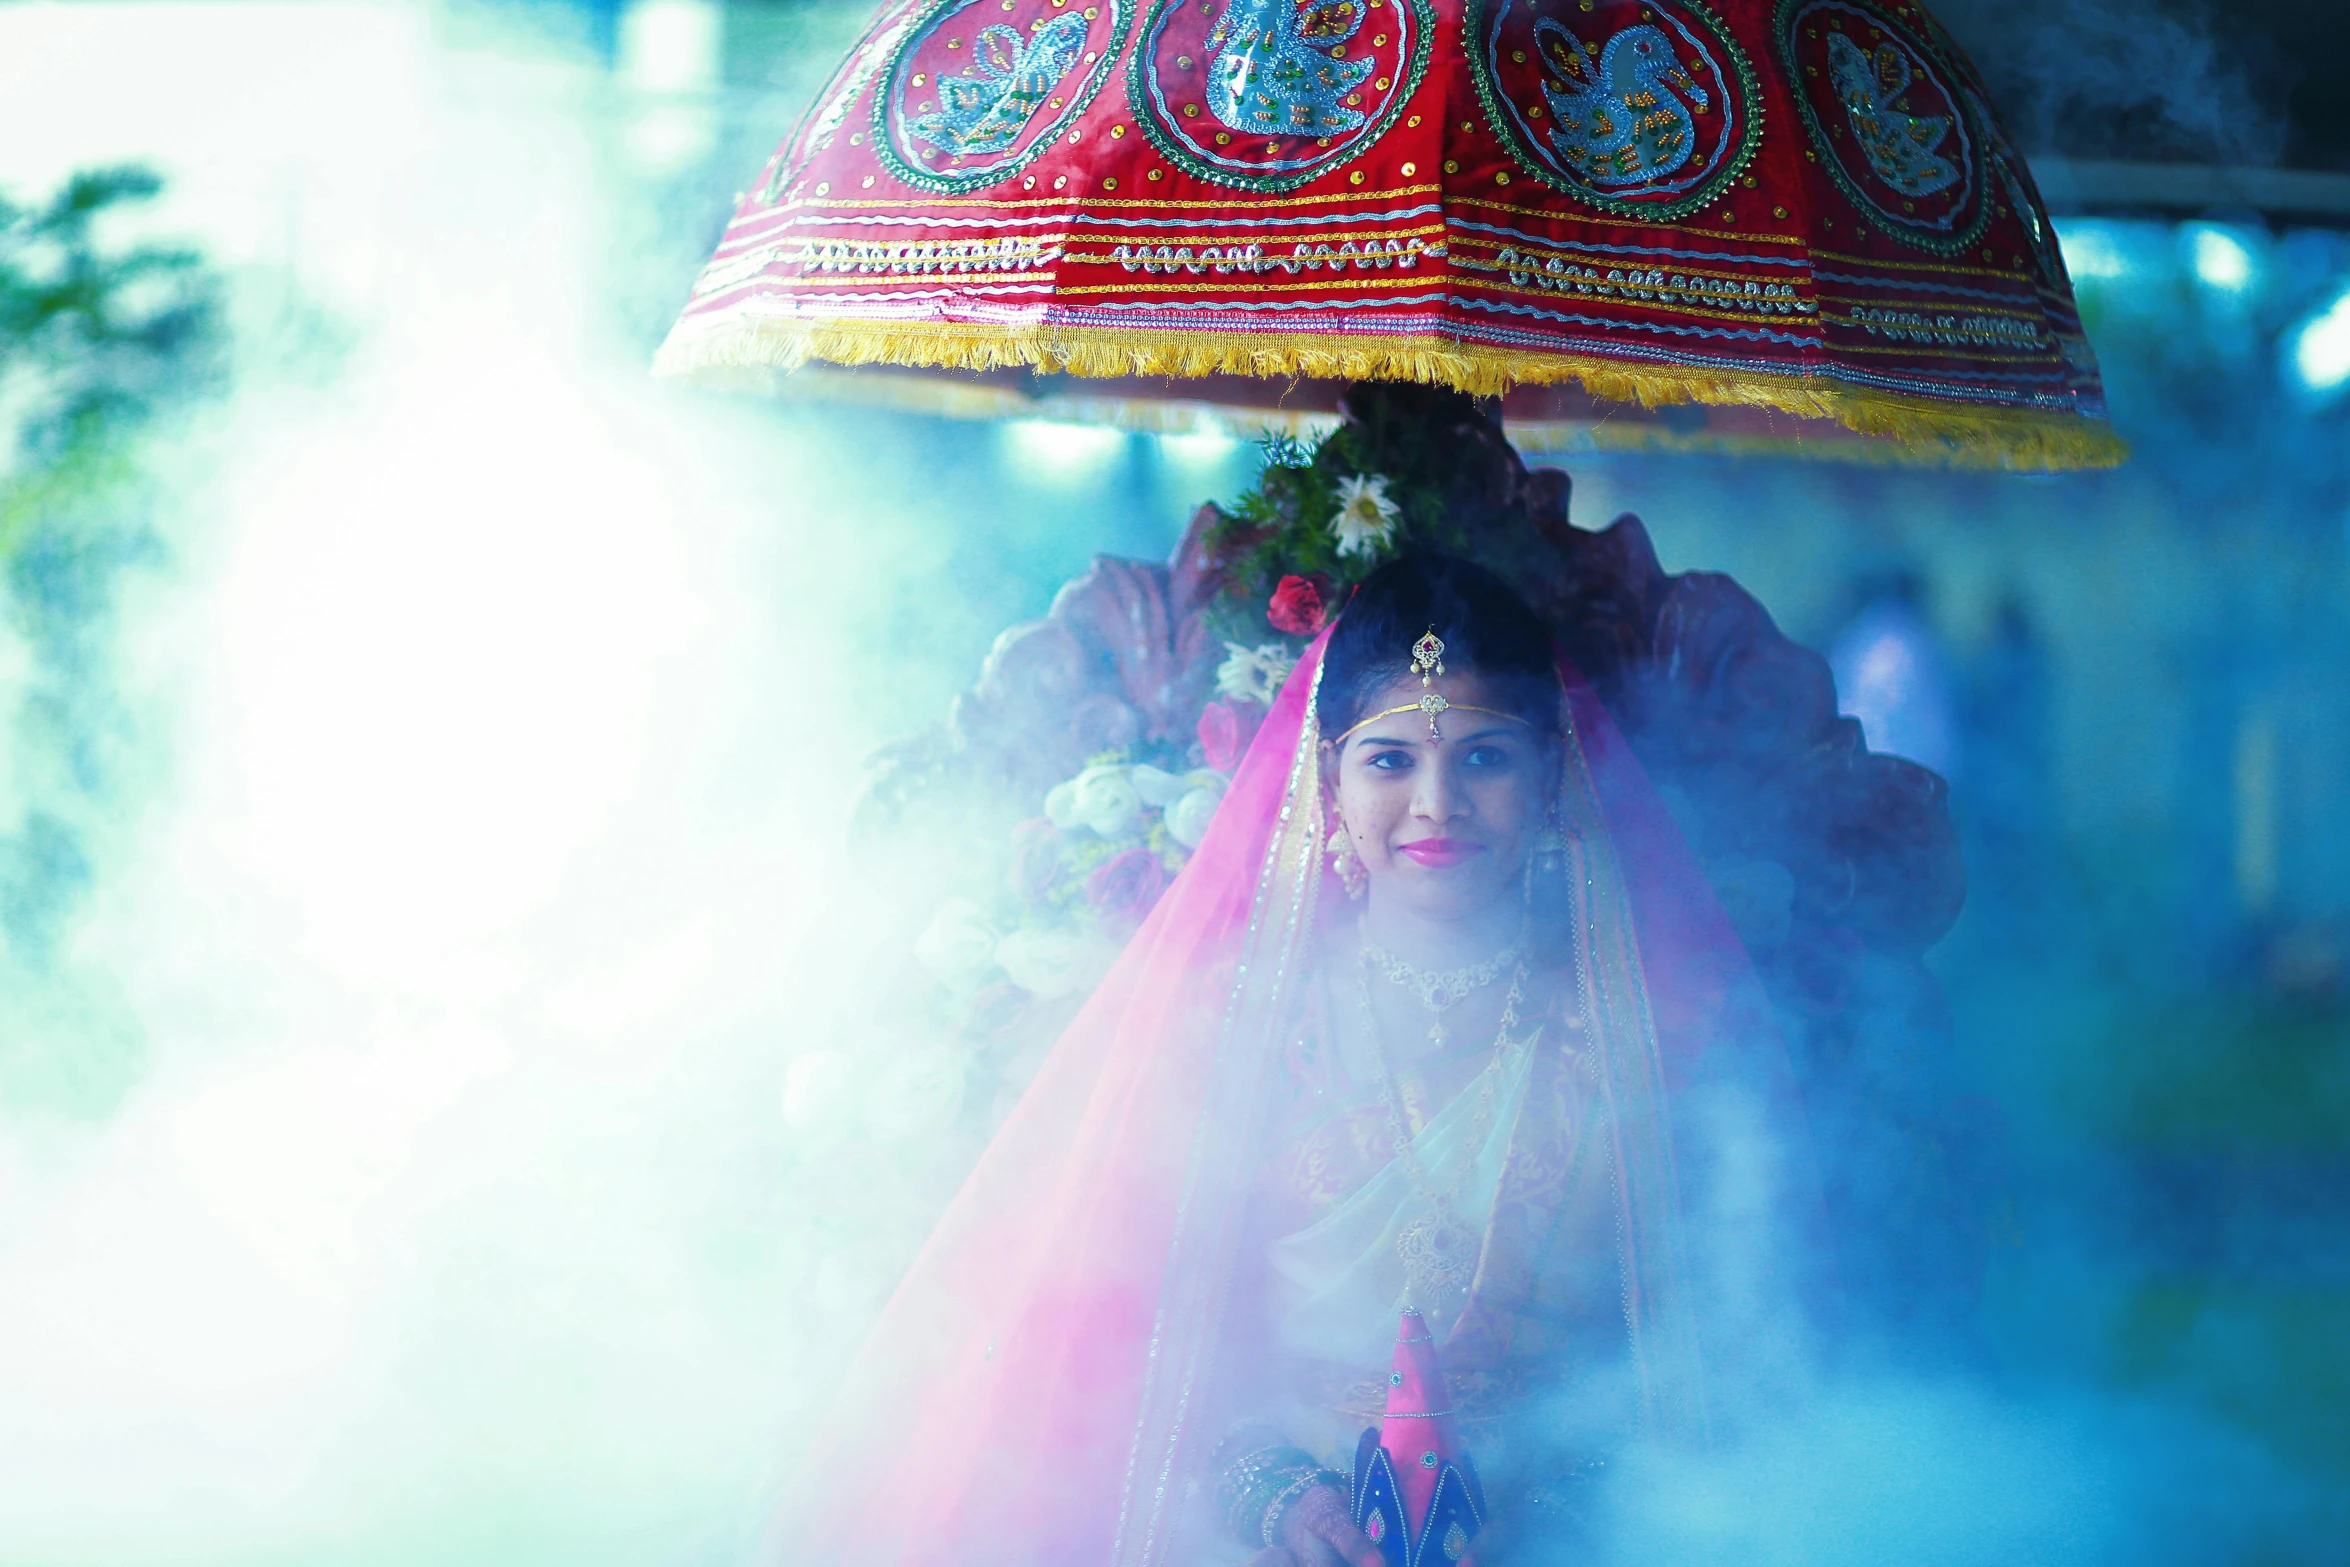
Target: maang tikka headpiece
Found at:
1428, 656
1428, 663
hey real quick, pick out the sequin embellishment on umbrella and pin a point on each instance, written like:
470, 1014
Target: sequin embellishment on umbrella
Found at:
1272, 69
1625, 119
1899, 145
1891, 118
1644, 110
985, 109
1265, 94
979, 89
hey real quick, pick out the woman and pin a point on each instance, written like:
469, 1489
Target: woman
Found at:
1418, 1029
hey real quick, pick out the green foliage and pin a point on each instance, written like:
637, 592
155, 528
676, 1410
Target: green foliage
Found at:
99, 338
1287, 524
94, 340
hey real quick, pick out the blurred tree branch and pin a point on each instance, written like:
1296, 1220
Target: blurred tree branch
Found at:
94, 341
101, 336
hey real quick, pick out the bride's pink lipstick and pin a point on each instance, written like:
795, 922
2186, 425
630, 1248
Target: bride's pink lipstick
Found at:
1437, 853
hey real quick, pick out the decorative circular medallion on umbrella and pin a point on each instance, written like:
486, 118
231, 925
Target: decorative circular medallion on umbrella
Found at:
1797, 220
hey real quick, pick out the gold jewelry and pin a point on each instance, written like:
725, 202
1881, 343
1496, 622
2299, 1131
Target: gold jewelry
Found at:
1432, 704
1551, 846
1428, 663
1427, 655
1441, 990
1346, 864
1438, 1251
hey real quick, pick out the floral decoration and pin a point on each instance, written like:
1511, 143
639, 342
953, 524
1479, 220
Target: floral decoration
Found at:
1037, 859
1254, 674
1123, 887
1225, 729
1366, 519
1298, 606
1104, 844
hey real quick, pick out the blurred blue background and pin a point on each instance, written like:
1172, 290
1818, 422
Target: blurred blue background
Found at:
427, 746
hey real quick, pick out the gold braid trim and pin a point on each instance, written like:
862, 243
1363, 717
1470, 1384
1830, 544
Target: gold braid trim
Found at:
751, 352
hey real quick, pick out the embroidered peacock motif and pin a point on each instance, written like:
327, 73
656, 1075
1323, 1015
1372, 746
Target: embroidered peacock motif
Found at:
1899, 145
985, 109
1622, 111
1272, 72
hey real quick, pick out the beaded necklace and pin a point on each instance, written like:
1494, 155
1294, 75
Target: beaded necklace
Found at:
1440, 990
1437, 1249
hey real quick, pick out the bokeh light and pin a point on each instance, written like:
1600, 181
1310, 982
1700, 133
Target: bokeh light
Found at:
2321, 347
2224, 261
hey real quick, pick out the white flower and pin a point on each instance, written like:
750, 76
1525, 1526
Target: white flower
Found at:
917, 1093
1050, 963
1188, 817
1157, 788
1101, 799
1366, 517
959, 947
1254, 674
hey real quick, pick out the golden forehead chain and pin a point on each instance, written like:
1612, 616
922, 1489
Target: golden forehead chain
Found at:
1432, 704
1428, 663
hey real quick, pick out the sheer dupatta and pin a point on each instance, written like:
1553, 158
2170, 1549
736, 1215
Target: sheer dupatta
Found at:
1039, 1389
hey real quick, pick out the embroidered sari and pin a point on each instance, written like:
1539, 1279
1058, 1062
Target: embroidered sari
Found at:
1189, 1219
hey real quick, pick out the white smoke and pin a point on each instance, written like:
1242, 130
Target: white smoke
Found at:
481, 880
497, 717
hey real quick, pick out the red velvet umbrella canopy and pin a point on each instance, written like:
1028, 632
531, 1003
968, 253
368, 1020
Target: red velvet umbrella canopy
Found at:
1800, 217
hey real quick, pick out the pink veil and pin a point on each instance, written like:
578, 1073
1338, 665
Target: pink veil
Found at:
1038, 1390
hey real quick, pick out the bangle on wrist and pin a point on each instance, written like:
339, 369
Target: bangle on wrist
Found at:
1255, 1487
1269, 1525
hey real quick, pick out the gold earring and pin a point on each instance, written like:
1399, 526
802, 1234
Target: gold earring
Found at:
1346, 864
1550, 847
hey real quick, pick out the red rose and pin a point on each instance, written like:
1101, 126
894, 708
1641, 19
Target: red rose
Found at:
1297, 606
1123, 887
1225, 729
1036, 859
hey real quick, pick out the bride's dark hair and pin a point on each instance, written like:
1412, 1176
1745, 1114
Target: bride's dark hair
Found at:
1484, 626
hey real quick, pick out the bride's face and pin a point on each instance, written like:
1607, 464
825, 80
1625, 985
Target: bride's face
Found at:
1443, 826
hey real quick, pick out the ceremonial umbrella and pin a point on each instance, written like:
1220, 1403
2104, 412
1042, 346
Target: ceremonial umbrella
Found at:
1786, 222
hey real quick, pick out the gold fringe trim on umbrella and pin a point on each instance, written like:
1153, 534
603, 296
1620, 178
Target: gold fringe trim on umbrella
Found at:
1563, 438
915, 391
738, 352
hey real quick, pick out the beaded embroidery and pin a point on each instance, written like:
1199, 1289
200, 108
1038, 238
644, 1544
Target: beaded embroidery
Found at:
1899, 145
985, 109
1627, 119
1266, 94
1146, 232
1272, 70
1887, 120
965, 106
1643, 109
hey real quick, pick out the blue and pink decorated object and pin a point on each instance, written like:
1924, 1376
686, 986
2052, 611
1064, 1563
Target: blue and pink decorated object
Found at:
1801, 216
1415, 1490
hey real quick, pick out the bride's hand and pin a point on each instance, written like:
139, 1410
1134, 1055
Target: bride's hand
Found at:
1317, 1531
